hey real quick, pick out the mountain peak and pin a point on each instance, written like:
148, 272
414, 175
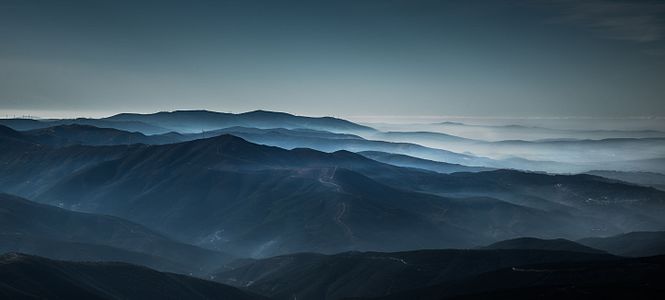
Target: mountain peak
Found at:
265, 112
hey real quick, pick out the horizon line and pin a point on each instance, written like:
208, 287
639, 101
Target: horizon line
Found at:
94, 114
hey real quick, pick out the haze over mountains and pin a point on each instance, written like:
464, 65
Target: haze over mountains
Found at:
39, 229
623, 150
321, 208
332, 150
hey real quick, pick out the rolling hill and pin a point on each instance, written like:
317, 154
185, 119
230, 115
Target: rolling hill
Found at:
640, 278
30, 277
372, 274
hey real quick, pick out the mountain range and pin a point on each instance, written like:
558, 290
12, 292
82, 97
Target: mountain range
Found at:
590, 150
359, 202
291, 207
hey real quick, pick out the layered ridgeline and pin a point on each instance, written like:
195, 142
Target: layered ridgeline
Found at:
569, 151
248, 199
64, 135
573, 147
532, 148
56, 233
145, 195
30, 277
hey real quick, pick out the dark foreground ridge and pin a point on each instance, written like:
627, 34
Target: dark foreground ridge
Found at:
637, 278
373, 274
30, 277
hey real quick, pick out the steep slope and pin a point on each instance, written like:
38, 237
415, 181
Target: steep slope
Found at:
630, 244
58, 233
542, 244
201, 120
371, 274
30, 277
641, 278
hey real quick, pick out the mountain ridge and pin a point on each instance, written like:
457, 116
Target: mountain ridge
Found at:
26, 225
30, 277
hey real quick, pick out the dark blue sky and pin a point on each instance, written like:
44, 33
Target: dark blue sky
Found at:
343, 58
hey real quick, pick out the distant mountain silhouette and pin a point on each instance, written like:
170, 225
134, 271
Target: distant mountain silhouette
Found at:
372, 274
202, 120
542, 244
196, 121
529, 132
572, 155
297, 132
422, 136
630, 244
30, 277
57, 233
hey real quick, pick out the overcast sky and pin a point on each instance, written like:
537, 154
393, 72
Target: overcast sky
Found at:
342, 58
